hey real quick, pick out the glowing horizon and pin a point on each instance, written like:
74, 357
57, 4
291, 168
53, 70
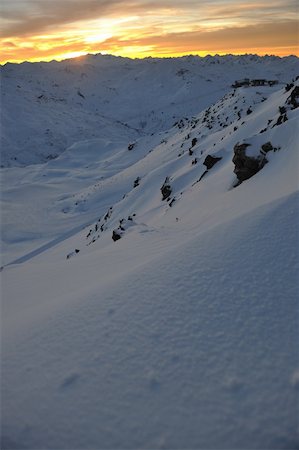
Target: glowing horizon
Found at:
34, 30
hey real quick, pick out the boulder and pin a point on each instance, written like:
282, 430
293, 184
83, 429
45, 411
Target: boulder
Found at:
210, 161
115, 235
245, 166
267, 147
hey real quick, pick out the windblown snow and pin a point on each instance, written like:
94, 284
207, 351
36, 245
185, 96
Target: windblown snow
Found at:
149, 215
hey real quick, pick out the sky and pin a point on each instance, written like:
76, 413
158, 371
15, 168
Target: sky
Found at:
42, 30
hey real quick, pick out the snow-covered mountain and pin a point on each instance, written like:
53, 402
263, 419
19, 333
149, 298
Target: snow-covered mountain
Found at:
150, 288
46, 107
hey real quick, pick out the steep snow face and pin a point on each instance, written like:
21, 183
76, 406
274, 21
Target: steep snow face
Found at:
47, 107
56, 199
181, 332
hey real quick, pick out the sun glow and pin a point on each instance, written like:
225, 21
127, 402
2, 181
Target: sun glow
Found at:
100, 37
135, 30
70, 55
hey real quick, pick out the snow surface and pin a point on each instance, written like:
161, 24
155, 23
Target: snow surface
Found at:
183, 334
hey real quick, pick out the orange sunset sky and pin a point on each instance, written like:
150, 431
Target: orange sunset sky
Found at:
36, 30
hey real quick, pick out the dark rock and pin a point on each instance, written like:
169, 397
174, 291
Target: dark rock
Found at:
293, 99
281, 119
289, 87
245, 166
267, 147
210, 161
194, 140
131, 146
282, 109
136, 182
201, 177
115, 235
166, 189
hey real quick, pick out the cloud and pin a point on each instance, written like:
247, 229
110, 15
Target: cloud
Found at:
268, 35
41, 15
263, 38
9, 44
21, 18
41, 29
29, 17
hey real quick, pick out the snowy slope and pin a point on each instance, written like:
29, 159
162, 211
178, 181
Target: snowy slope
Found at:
44, 202
196, 349
183, 333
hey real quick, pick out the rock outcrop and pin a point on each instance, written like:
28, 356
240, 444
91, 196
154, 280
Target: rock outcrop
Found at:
246, 166
210, 161
293, 99
166, 189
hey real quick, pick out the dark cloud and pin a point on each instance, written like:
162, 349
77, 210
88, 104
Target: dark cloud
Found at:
8, 44
29, 17
40, 16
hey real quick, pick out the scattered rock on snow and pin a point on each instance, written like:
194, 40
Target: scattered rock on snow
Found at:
281, 119
136, 182
71, 254
289, 87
